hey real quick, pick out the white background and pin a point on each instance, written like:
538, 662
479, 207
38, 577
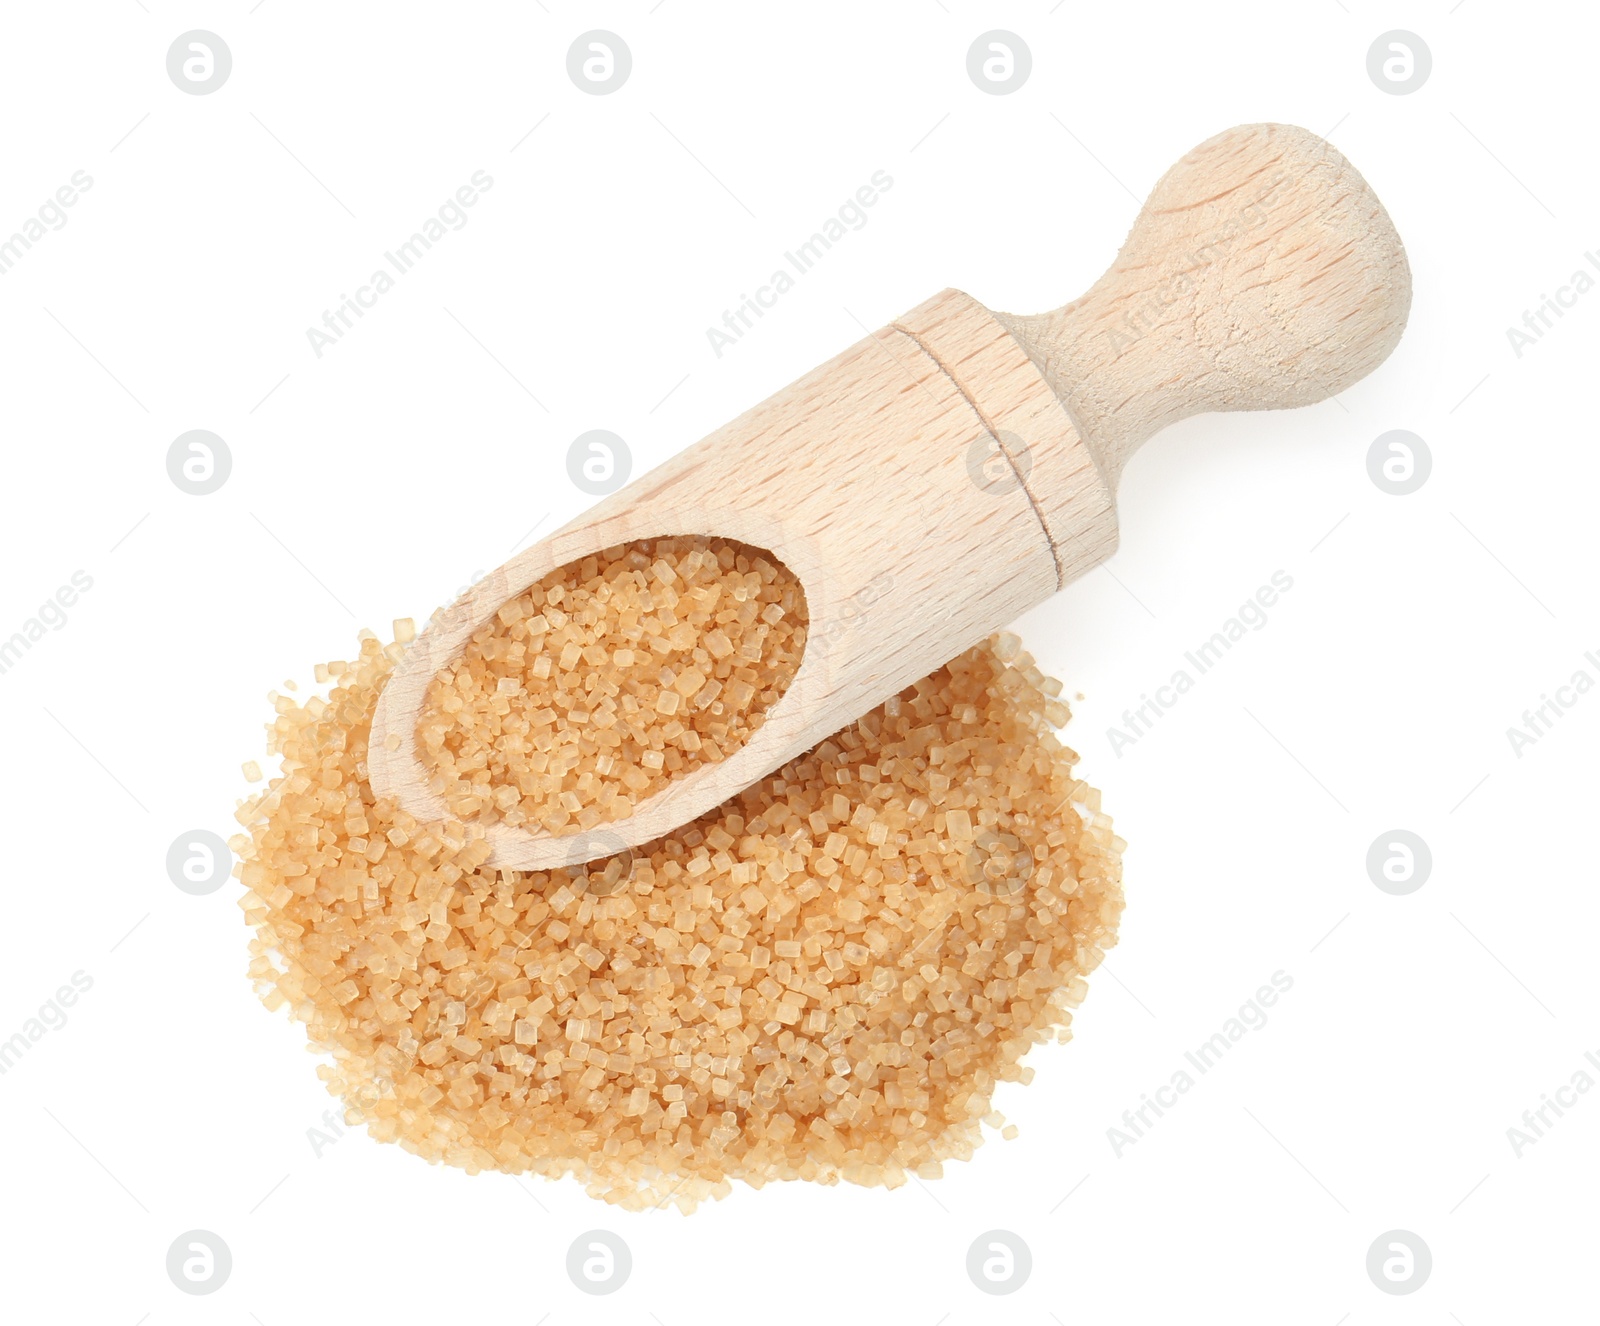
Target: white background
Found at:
376, 481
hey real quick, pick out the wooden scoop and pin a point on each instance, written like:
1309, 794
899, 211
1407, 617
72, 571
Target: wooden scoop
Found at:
954, 469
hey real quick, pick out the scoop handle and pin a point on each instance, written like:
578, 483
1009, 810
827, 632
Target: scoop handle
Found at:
1262, 273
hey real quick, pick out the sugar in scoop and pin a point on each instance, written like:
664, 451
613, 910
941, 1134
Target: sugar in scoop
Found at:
609, 677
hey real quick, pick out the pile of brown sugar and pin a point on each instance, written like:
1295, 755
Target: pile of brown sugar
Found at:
609, 678
824, 978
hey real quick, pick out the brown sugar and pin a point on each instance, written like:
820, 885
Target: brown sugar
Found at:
824, 978
609, 678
